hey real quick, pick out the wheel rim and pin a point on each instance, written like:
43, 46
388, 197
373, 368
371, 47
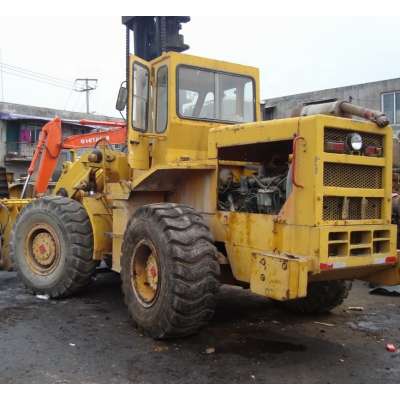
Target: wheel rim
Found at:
145, 276
42, 249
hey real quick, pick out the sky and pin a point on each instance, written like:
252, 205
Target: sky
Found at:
294, 54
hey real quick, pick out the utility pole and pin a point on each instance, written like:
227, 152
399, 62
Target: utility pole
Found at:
90, 84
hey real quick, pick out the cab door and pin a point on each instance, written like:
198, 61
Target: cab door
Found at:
139, 113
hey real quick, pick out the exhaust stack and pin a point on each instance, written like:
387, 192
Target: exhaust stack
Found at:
344, 109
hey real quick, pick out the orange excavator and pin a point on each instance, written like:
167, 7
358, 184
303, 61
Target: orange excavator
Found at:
51, 143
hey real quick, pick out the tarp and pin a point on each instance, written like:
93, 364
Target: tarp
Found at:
386, 290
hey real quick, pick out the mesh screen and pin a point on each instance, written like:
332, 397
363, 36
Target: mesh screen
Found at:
334, 208
352, 176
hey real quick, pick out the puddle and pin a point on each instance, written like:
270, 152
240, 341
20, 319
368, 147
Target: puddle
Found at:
255, 346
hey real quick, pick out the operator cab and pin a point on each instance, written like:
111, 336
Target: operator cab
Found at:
173, 100
202, 94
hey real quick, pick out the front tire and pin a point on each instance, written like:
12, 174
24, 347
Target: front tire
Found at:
169, 270
52, 246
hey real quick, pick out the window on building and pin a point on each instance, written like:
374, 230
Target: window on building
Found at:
391, 106
25, 144
322, 101
29, 133
269, 113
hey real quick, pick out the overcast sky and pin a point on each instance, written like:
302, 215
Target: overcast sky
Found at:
294, 55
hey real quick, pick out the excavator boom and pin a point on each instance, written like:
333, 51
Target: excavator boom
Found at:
112, 136
50, 145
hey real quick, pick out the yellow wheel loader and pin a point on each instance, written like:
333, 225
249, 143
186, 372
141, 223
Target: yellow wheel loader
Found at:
205, 192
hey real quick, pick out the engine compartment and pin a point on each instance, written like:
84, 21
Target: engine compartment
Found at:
257, 180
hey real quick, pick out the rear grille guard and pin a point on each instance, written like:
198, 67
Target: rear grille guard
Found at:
351, 208
352, 176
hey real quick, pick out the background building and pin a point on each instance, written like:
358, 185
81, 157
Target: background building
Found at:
20, 126
380, 95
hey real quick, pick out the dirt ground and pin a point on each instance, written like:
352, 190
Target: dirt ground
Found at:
90, 338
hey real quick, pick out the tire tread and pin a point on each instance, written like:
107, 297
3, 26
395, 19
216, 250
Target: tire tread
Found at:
322, 297
196, 270
81, 266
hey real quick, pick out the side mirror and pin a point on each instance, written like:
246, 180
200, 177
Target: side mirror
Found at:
122, 98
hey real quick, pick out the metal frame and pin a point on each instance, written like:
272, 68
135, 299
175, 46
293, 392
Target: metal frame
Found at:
164, 66
148, 97
179, 66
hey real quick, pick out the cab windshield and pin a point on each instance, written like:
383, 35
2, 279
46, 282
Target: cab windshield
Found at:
217, 96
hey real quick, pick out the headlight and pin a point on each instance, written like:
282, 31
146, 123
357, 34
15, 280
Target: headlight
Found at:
354, 141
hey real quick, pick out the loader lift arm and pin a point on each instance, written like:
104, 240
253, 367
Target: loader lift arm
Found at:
51, 143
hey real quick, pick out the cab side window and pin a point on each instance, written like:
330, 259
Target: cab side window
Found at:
162, 99
140, 99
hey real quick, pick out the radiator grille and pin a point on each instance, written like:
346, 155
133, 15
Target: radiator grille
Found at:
352, 208
374, 208
339, 135
353, 176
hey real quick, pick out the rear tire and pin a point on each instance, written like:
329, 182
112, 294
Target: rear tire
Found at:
322, 297
169, 270
51, 246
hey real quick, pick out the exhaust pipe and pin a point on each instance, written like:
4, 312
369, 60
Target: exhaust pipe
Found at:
344, 109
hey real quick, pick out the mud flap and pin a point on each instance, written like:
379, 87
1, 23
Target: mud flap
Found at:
279, 277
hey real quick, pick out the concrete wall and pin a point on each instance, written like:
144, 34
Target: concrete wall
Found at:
367, 95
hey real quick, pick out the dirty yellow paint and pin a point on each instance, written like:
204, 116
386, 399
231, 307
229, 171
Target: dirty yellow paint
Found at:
279, 277
182, 163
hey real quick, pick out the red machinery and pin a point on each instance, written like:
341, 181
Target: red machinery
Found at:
51, 143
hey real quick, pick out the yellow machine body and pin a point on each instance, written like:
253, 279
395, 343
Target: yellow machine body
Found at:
335, 224
309, 231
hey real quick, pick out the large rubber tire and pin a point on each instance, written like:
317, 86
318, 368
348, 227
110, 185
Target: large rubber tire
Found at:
69, 232
188, 270
4, 192
322, 297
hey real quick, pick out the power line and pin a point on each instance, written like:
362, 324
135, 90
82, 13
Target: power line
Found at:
35, 76
38, 75
36, 80
87, 84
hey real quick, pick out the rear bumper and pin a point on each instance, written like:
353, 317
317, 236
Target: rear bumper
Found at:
357, 246
279, 259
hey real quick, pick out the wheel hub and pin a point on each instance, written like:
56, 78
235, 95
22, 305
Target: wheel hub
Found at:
152, 272
145, 274
42, 249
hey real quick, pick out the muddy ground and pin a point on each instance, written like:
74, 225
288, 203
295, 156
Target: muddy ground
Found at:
90, 339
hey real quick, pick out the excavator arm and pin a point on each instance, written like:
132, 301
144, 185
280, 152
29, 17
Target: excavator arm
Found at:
50, 145
113, 136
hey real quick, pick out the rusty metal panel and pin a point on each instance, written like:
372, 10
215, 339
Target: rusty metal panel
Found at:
279, 277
